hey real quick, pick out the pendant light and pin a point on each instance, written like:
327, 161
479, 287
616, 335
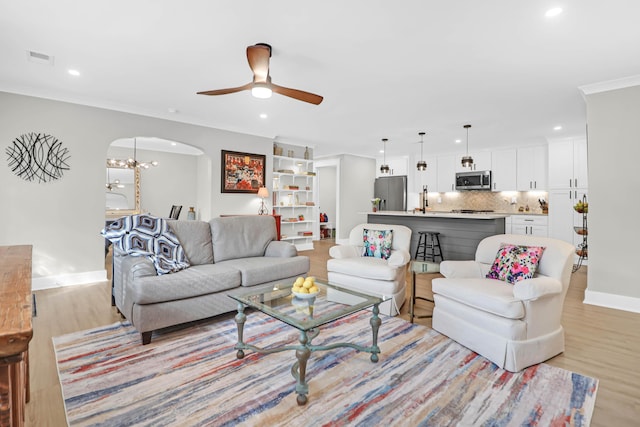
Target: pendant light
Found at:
385, 167
467, 161
421, 165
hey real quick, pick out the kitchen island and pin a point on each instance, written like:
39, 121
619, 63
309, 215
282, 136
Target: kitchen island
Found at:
460, 233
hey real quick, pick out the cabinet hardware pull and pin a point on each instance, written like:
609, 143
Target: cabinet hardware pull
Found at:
535, 184
569, 182
576, 182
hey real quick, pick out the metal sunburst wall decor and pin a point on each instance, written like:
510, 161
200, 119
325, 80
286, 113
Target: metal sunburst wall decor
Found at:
38, 157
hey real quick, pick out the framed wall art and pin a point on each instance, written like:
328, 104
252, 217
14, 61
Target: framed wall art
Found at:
242, 172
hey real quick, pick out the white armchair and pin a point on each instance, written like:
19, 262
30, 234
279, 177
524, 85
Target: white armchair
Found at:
374, 276
514, 326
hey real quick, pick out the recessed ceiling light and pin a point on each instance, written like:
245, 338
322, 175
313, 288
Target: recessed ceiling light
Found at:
174, 144
553, 12
172, 110
557, 127
263, 116
458, 141
382, 151
73, 72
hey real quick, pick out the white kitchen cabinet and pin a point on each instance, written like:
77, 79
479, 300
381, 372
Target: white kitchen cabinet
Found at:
532, 168
562, 216
503, 170
428, 177
446, 172
534, 225
568, 164
293, 187
397, 166
481, 161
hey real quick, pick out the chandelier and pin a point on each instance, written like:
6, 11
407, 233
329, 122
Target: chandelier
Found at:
112, 185
131, 163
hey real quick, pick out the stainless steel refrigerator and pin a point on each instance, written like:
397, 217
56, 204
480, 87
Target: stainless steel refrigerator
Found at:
392, 191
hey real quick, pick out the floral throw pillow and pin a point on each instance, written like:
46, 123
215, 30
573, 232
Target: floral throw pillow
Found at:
514, 263
377, 243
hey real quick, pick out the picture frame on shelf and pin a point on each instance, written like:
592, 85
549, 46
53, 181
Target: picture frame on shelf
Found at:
242, 172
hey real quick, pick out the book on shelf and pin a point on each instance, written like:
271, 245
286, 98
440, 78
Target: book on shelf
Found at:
305, 233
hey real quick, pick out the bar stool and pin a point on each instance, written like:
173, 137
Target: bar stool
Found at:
429, 240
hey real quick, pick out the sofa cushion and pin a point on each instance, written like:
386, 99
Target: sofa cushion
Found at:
494, 296
257, 270
365, 267
195, 238
377, 243
515, 262
241, 236
195, 281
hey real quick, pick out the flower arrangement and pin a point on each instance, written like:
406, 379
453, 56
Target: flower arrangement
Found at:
376, 203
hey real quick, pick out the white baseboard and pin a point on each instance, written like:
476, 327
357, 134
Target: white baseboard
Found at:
48, 282
619, 302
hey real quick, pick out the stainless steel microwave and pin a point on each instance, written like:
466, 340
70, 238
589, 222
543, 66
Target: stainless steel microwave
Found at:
473, 180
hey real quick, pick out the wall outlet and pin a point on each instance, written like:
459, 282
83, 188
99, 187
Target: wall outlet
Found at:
439, 199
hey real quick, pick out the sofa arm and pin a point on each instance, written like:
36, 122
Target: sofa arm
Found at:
460, 269
280, 249
399, 258
537, 287
345, 251
135, 267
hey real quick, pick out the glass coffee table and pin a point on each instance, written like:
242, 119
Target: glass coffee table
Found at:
307, 315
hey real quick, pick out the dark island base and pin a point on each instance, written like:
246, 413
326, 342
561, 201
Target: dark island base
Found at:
459, 237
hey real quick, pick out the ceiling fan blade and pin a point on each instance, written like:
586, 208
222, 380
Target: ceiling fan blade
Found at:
300, 95
226, 91
258, 56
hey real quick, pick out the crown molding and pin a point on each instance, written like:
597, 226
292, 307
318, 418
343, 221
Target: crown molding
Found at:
609, 85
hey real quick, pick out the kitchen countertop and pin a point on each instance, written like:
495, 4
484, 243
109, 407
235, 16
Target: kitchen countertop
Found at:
436, 214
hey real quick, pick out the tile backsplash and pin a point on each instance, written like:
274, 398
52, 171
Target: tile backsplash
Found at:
496, 201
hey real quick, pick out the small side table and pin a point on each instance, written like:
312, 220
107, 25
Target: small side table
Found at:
420, 267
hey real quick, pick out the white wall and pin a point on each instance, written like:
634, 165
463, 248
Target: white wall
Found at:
357, 176
614, 150
327, 185
63, 219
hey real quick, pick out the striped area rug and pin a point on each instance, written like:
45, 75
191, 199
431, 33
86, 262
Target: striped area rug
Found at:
191, 377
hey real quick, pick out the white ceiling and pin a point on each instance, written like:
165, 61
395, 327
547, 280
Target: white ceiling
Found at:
385, 69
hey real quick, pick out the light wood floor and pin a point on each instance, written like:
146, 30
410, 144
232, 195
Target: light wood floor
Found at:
600, 342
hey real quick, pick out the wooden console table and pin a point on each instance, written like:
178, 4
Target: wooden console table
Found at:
15, 332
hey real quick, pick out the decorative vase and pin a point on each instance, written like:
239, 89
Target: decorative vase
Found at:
306, 153
191, 214
375, 209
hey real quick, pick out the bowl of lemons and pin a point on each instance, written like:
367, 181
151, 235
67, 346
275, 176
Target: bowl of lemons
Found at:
305, 288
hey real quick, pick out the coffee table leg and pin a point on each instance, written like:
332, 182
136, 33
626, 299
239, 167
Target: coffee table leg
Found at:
240, 319
302, 388
375, 326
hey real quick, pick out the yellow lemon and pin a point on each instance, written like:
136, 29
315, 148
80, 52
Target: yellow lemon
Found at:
303, 291
307, 284
299, 281
311, 279
313, 289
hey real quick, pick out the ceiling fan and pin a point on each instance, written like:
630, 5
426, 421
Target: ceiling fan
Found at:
261, 87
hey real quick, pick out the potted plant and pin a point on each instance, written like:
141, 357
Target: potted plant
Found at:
376, 203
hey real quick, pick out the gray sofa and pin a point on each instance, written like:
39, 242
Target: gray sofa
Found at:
229, 255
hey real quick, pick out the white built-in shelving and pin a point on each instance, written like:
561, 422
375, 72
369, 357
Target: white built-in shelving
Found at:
293, 199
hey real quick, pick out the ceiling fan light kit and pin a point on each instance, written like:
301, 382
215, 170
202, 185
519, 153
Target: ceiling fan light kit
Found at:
467, 161
258, 57
421, 165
